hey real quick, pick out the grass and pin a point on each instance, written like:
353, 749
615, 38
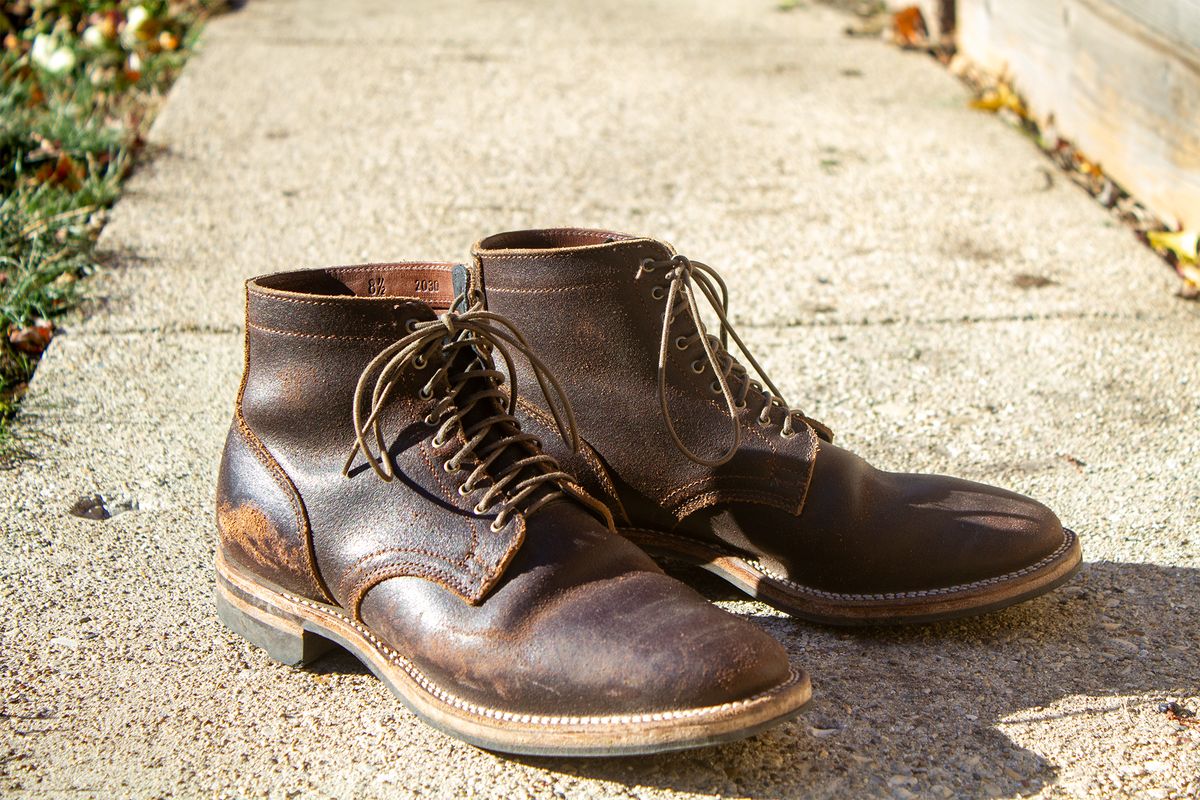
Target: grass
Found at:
79, 82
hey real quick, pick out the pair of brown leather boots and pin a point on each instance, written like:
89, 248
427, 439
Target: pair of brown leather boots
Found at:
385, 487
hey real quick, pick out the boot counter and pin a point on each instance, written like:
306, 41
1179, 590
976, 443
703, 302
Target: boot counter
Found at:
261, 522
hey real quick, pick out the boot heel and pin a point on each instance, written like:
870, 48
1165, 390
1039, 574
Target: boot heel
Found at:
283, 637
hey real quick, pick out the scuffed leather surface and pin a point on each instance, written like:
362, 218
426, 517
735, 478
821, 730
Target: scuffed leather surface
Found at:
553, 614
806, 509
581, 619
260, 519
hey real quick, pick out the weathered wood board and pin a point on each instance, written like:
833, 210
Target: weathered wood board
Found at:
1120, 77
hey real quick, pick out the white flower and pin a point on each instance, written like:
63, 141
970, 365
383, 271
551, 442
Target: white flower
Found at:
136, 21
52, 55
93, 37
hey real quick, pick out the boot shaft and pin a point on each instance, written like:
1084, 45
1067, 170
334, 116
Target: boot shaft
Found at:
592, 304
285, 508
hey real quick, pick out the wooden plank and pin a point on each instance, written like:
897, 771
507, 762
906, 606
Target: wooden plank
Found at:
1121, 79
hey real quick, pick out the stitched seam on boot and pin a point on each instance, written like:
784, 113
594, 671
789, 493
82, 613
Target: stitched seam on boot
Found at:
538, 719
303, 527
329, 337
1069, 538
585, 451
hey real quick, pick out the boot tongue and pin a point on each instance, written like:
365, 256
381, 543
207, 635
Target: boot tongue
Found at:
465, 360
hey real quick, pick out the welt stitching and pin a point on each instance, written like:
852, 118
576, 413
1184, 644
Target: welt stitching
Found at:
1068, 538
535, 719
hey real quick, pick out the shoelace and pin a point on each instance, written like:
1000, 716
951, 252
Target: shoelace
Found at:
466, 382
685, 274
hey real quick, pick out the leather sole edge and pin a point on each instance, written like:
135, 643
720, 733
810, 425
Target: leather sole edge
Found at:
830, 608
296, 630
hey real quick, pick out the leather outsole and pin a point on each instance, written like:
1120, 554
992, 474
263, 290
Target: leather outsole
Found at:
296, 630
833, 608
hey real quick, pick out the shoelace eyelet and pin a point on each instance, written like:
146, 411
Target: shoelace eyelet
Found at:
647, 265
480, 508
494, 528
451, 467
715, 387
465, 489
739, 404
658, 293
787, 435
419, 362
430, 419
681, 342
425, 393
411, 325
698, 366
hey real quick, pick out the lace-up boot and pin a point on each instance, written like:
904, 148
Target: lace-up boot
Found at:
376, 492
700, 458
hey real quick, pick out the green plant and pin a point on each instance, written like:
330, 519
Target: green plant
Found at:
79, 81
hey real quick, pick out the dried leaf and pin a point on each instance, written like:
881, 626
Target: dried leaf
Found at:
63, 172
32, 339
1000, 98
1087, 166
1183, 244
909, 29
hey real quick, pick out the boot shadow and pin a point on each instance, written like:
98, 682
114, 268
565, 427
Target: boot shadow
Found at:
918, 707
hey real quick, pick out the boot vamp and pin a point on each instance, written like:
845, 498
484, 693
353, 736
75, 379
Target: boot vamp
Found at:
863, 530
582, 623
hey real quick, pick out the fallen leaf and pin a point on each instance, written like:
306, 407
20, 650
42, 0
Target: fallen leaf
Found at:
63, 172
1087, 166
999, 98
908, 28
32, 339
1185, 245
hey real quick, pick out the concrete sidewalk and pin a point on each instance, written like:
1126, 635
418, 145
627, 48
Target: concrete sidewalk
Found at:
873, 230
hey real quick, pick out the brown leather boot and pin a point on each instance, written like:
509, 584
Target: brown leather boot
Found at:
376, 492
703, 461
